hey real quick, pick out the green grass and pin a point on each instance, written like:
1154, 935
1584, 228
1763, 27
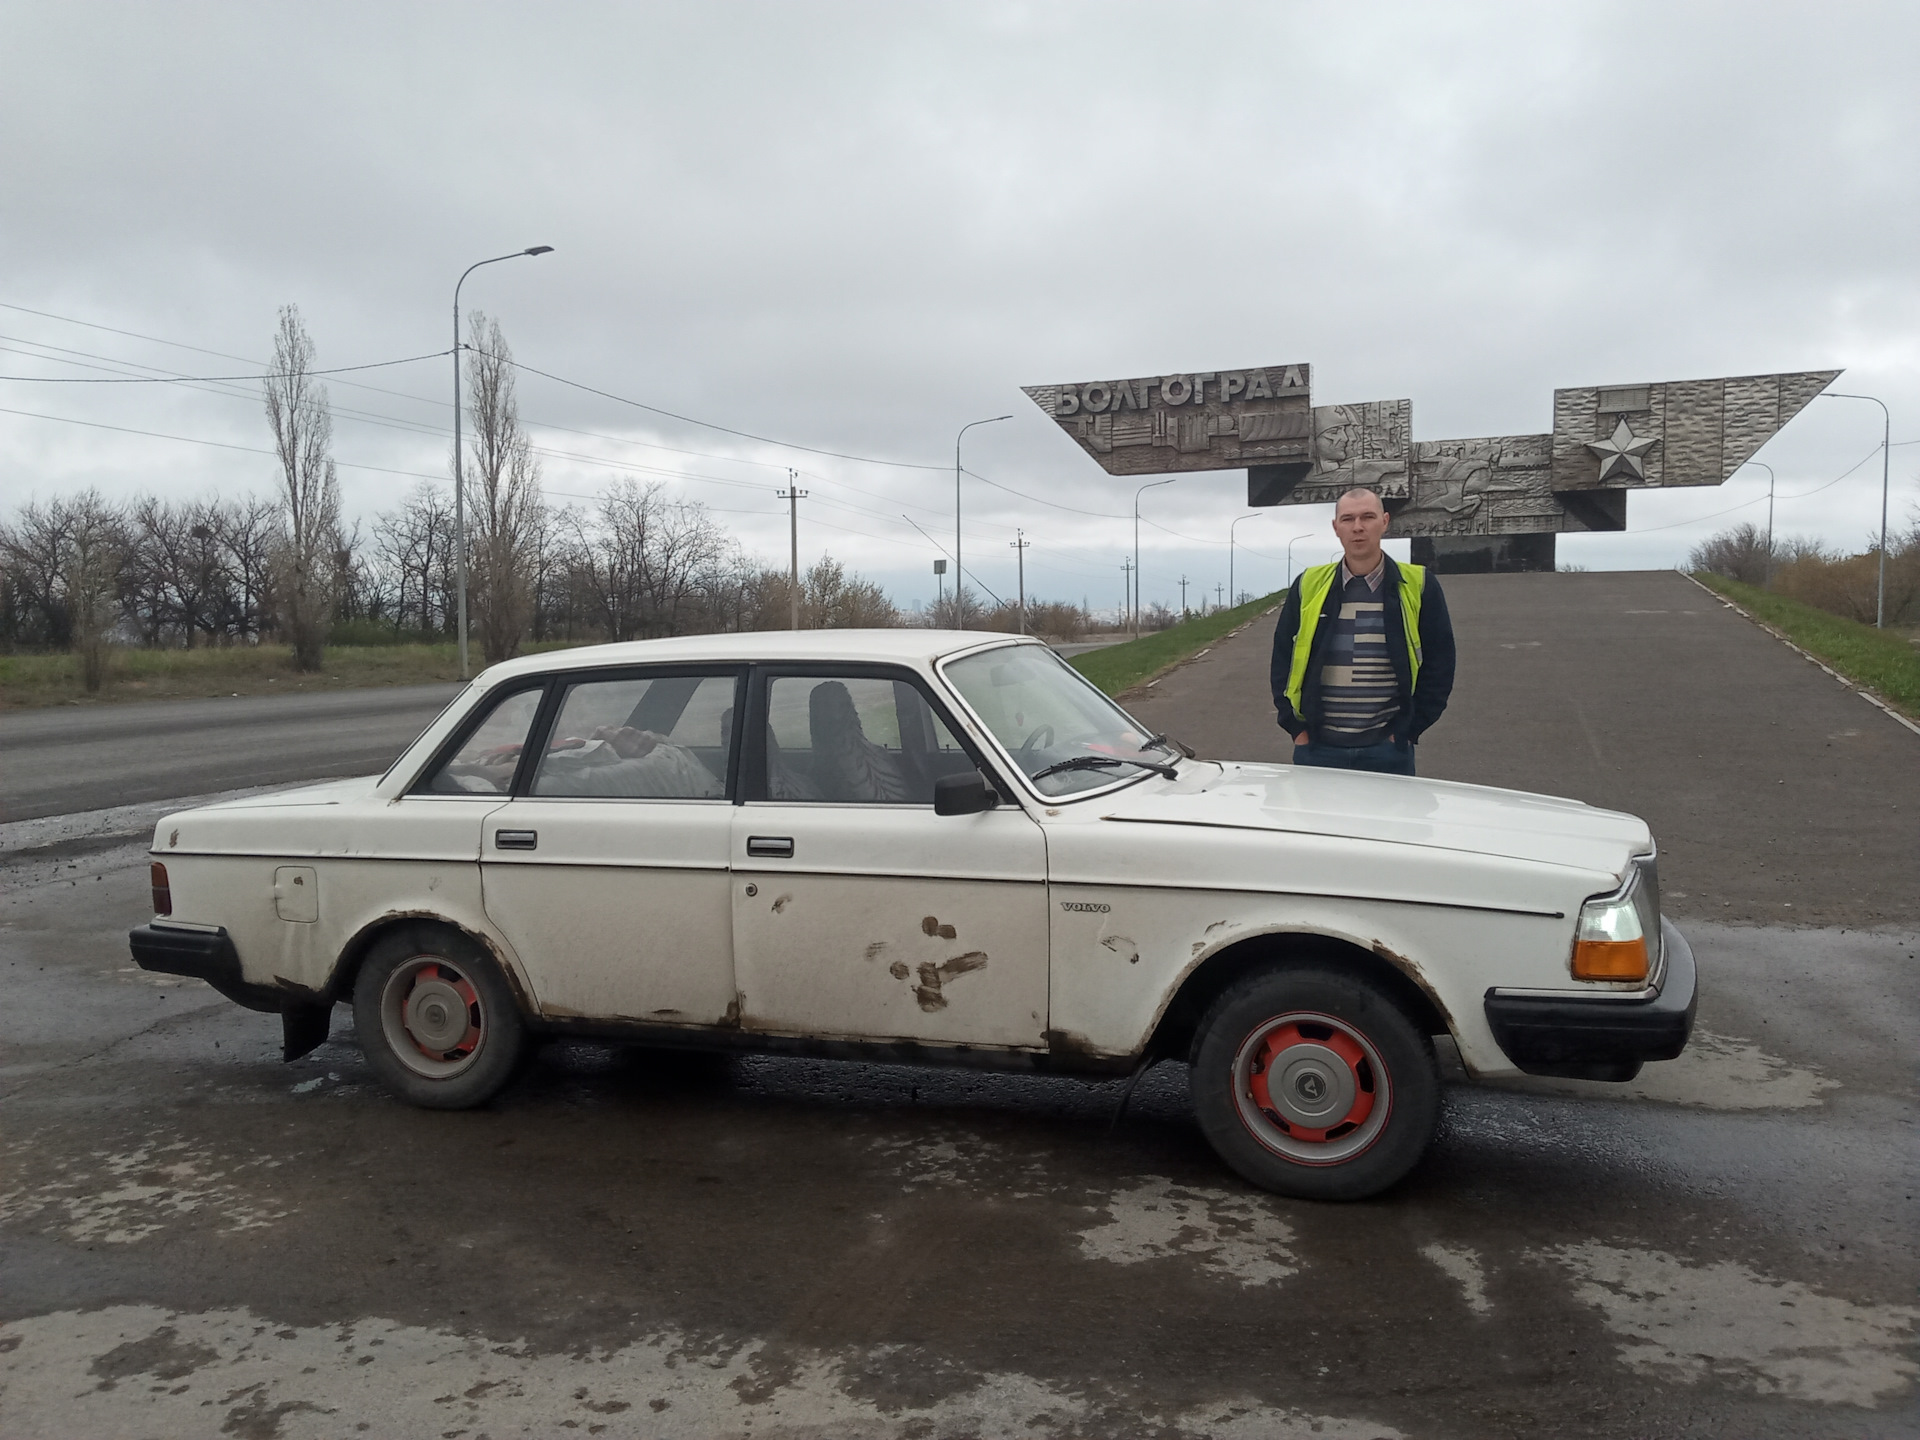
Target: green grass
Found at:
1883, 661
36, 680
1119, 668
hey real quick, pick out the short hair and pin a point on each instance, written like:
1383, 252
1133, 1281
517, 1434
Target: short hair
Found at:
1360, 490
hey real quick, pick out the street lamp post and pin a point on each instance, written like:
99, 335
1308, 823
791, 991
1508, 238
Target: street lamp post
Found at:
1886, 449
1290, 544
1230, 529
1769, 469
1136, 546
459, 478
960, 575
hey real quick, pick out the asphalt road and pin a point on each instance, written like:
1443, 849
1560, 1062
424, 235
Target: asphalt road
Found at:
195, 1239
69, 758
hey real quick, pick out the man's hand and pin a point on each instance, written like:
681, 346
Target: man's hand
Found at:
1302, 738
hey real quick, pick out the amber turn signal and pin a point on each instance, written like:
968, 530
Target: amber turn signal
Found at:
162, 891
1610, 959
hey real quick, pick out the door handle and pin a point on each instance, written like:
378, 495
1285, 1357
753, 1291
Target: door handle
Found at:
770, 847
516, 839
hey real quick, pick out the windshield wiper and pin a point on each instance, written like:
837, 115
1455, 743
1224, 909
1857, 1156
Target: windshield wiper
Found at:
1168, 743
1101, 762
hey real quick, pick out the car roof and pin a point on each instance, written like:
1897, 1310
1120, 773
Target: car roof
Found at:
775, 646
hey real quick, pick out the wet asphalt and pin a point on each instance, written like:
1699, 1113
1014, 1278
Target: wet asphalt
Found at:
198, 1240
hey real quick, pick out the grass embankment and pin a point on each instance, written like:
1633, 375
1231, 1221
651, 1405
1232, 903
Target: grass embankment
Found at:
35, 680
1882, 661
1119, 668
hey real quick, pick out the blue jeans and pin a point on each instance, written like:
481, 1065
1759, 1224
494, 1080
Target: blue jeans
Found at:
1389, 757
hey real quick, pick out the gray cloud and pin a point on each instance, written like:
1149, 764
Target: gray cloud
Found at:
859, 226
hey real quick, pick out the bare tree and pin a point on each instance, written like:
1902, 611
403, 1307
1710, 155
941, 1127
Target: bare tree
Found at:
1739, 553
504, 504
302, 423
96, 547
830, 599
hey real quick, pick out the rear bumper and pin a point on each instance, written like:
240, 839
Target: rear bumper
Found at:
204, 955
1600, 1037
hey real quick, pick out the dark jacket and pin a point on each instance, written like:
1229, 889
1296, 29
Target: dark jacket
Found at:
1424, 702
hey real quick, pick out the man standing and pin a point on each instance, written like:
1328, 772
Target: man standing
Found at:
1363, 654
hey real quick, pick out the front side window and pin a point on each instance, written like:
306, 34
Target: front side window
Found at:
486, 760
652, 737
855, 739
1063, 733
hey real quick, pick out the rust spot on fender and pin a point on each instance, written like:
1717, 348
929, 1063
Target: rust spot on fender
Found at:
781, 903
898, 970
932, 926
1069, 1045
1218, 924
1123, 945
933, 977
666, 1012
731, 1020
173, 839
876, 949
1407, 968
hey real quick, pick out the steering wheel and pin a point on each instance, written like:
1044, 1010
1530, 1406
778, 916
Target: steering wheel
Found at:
1034, 739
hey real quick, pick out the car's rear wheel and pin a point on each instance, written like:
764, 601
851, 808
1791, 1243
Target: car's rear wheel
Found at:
436, 1020
1314, 1083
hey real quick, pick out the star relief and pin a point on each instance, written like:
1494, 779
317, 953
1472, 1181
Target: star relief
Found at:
1623, 451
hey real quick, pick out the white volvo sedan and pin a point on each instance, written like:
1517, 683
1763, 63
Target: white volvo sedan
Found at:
934, 847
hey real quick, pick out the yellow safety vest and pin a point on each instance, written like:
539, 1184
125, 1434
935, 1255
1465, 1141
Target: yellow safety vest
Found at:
1314, 585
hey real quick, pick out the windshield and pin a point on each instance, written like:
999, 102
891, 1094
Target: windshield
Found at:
1064, 734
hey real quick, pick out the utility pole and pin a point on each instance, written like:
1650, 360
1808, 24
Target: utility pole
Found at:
939, 586
1020, 544
1126, 591
1183, 597
793, 495
1218, 591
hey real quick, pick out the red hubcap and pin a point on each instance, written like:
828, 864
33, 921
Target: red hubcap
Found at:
1312, 1081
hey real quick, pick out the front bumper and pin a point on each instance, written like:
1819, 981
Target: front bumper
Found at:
1600, 1037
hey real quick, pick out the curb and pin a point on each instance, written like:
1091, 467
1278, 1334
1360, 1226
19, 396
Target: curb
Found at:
1858, 689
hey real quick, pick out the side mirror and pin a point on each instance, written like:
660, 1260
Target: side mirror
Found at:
965, 794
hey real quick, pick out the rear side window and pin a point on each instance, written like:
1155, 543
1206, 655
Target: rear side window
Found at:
487, 759
654, 737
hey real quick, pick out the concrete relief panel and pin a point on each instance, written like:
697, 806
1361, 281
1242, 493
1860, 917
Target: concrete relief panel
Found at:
1204, 420
1682, 432
1364, 444
1496, 485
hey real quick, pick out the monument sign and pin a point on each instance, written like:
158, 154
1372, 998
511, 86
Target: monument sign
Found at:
1489, 503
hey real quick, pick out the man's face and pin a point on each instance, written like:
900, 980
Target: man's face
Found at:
1360, 521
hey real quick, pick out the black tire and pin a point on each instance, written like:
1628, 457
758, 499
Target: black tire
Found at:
436, 1019
1350, 1057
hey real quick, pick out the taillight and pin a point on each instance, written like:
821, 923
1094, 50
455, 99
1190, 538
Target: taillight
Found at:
162, 891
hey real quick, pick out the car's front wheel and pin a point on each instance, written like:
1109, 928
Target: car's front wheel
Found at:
436, 1020
1314, 1083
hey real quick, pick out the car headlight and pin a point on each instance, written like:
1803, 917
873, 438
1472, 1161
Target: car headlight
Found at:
1618, 937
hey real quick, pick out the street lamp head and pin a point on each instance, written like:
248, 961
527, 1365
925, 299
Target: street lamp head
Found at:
538, 250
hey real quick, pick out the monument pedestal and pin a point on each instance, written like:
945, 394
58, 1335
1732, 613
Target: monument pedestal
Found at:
1483, 554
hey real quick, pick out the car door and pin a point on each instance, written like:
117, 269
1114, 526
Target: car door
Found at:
607, 870
857, 911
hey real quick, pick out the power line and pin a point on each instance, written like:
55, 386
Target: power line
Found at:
723, 429
206, 379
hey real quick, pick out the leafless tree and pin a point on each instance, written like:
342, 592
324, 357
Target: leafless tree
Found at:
66, 557
504, 506
302, 423
830, 599
1739, 553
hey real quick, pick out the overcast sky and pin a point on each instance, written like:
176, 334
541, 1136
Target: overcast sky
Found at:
858, 227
